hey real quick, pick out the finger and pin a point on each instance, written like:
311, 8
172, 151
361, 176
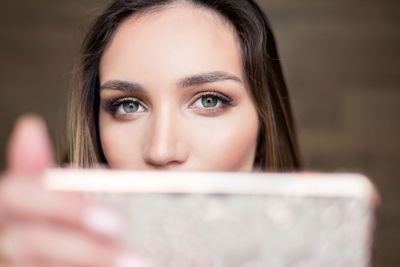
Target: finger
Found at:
42, 264
26, 200
63, 247
29, 149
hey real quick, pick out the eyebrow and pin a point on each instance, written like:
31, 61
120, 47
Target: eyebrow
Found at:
192, 80
209, 77
122, 86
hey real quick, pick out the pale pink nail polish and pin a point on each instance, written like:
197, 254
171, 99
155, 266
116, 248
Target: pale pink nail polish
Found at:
103, 221
128, 260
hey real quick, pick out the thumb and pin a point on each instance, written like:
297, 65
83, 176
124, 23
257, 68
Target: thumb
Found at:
29, 149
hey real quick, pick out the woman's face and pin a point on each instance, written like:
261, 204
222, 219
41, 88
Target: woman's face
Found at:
174, 95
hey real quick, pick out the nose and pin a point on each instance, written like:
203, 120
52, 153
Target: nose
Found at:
164, 147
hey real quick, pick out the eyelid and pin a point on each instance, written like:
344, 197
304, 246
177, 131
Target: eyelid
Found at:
112, 104
114, 95
125, 99
226, 100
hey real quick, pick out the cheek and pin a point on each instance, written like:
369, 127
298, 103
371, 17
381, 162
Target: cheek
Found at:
121, 144
227, 143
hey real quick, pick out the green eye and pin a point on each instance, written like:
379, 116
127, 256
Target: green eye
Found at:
130, 107
209, 101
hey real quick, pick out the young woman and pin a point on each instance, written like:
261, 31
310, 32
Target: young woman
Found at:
171, 85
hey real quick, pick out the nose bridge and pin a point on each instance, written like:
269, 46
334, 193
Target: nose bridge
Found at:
163, 145
163, 133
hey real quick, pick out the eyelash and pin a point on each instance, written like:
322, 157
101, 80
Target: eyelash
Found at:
113, 105
225, 101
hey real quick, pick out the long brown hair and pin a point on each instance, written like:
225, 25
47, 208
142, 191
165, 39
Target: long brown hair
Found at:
277, 148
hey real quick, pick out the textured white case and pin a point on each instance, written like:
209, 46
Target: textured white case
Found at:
183, 219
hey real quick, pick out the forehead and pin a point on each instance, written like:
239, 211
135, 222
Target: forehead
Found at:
180, 38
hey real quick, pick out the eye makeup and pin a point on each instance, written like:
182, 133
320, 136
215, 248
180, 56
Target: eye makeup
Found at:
205, 103
217, 102
123, 106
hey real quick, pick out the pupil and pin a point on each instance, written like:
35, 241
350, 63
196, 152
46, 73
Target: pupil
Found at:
130, 107
209, 102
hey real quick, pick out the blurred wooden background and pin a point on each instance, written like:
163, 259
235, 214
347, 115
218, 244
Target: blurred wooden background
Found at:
342, 64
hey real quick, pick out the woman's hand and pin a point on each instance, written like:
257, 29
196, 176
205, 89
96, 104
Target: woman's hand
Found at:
42, 228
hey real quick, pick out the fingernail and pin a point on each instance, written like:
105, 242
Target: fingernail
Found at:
103, 221
128, 260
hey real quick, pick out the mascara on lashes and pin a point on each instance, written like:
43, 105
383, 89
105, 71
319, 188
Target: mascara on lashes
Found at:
112, 105
226, 100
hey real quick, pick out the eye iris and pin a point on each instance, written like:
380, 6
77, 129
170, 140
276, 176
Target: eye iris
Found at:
130, 107
209, 101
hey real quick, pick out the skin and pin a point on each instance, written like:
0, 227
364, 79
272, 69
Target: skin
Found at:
170, 127
52, 229
172, 130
